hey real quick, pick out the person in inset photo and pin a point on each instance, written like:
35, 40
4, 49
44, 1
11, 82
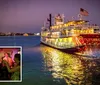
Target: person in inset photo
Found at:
7, 57
15, 70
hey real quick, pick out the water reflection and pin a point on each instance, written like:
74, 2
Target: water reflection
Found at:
74, 69
90, 51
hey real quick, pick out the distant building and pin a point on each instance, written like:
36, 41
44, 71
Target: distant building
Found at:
25, 34
37, 34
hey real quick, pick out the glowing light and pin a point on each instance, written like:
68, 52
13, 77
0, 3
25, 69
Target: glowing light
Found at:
63, 65
19, 52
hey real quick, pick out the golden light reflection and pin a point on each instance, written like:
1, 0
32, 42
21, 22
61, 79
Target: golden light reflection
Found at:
73, 69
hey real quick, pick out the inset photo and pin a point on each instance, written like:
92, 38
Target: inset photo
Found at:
10, 63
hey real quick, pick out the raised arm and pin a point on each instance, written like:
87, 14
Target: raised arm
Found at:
11, 69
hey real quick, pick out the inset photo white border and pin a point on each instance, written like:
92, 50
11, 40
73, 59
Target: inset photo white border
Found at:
20, 47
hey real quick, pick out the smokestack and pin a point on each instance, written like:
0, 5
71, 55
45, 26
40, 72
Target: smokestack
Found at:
50, 19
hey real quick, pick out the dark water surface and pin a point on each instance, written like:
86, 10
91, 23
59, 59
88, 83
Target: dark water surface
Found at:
44, 65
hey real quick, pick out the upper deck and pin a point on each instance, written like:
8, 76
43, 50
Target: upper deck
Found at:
70, 28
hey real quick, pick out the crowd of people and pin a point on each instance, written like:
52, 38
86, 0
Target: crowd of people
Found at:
10, 69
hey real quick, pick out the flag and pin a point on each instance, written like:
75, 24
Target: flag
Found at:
83, 12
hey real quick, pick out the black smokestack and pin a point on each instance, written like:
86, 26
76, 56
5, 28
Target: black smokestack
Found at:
50, 18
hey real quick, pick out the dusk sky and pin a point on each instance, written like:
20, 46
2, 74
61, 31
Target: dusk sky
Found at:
29, 15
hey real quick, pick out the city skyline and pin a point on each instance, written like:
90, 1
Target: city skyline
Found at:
29, 15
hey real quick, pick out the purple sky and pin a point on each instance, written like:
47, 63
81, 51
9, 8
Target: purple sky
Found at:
29, 15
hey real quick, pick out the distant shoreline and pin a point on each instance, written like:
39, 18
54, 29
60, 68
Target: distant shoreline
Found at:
17, 35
